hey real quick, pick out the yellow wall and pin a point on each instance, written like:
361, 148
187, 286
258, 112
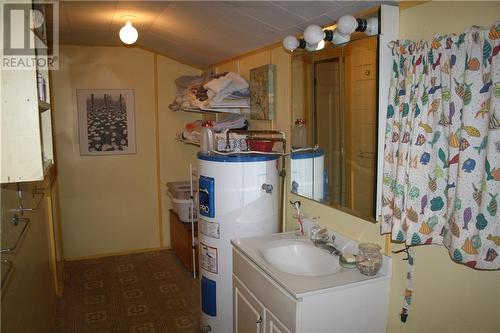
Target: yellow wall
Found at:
28, 299
111, 203
446, 17
447, 297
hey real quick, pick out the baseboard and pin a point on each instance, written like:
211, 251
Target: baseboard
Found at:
120, 253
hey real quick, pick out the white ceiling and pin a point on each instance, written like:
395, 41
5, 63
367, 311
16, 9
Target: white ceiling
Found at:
198, 32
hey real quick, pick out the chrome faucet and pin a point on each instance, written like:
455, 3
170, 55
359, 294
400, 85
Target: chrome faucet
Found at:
330, 248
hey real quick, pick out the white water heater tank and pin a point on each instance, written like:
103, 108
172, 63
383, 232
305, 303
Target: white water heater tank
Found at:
307, 174
238, 197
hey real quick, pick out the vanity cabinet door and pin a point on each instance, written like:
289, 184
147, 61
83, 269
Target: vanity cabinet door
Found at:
273, 324
248, 311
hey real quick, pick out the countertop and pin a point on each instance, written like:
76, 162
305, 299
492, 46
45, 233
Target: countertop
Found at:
303, 286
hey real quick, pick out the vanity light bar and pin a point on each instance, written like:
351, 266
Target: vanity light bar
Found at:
302, 44
362, 25
328, 35
314, 36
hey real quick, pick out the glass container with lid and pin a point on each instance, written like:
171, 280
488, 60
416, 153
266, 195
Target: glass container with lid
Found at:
318, 233
369, 258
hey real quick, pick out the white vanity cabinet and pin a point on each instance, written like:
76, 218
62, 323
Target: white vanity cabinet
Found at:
259, 304
273, 324
250, 315
265, 302
248, 310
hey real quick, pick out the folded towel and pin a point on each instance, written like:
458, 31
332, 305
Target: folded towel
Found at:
218, 89
225, 92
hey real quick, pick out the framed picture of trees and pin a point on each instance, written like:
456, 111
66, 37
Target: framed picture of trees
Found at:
106, 122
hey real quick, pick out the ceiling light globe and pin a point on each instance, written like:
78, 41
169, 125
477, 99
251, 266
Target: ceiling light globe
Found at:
313, 34
128, 34
290, 43
347, 24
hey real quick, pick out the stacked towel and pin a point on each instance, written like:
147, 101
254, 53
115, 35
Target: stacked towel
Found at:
226, 92
224, 86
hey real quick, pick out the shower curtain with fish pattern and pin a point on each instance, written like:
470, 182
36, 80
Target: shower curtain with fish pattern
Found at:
442, 147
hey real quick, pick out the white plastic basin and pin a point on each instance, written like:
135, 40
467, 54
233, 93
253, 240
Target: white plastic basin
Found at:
300, 258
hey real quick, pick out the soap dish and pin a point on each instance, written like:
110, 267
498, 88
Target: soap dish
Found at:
347, 260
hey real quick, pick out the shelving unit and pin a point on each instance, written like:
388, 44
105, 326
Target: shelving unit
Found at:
210, 114
181, 235
26, 127
209, 110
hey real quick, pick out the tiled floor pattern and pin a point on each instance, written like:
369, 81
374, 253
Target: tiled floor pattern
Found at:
138, 293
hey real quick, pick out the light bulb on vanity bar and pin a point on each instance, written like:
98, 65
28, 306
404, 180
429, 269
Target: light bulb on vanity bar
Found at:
347, 24
291, 43
315, 47
372, 26
313, 34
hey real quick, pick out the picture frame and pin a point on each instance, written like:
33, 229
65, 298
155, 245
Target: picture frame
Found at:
106, 121
262, 84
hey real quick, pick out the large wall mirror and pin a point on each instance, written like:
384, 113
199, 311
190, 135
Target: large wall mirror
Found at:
334, 98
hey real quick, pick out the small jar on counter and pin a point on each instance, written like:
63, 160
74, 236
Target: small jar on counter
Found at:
369, 258
318, 234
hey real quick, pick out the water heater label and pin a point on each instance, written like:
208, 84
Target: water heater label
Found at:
210, 229
208, 258
207, 196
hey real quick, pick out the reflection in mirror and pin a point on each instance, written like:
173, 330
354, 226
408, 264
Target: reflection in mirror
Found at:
335, 95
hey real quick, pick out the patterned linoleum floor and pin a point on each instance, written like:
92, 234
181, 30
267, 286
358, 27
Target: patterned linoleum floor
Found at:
139, 293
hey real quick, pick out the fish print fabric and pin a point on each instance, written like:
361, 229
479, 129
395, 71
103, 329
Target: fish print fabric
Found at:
442, 146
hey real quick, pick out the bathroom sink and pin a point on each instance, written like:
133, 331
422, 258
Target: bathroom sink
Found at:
298, 257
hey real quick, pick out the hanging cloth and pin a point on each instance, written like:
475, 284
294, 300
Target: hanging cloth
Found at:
441, 174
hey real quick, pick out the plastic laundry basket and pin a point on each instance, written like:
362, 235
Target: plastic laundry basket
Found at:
179, 194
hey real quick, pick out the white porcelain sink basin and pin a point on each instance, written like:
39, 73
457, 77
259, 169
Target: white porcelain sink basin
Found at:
299, 257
